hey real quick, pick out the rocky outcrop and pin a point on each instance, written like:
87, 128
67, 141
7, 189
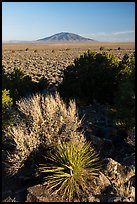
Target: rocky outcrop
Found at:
112, 185
117, 173
39, 193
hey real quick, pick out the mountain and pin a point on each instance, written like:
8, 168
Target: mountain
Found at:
65, 37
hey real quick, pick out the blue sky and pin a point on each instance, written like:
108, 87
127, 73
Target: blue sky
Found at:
102, 21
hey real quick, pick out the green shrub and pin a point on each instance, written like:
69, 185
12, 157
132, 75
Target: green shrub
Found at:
41, 84
101, 48
93, 76
125, 97
20, 84
5, 78
71, 169
6, 106
7, 112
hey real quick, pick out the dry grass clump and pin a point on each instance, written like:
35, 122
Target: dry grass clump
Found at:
26, 141
43, 120
50, 118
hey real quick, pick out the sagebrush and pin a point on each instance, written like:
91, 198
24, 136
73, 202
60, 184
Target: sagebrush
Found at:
42, 120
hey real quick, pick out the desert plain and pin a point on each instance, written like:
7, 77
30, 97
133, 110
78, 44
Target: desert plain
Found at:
49, 60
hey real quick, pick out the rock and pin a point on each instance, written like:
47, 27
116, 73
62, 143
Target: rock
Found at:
132, 180
110, 198
103, 181
9, 199
131, 137
117, 173
109, 133
127, 198
100, 187
7, 193
98, 142
122, 134
24, 179
117, 135
105, 147
93, 199
120, 177
108, 147
39, 193
9, 146
114, 198
132, 194
20, 195
129, 160
114, 183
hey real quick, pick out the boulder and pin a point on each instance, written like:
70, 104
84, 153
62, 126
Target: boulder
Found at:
105, 147
9, 199
129, 160
116, 183
112, 185
118, 174
39, 193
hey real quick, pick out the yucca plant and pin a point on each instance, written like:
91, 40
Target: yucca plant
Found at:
72, 166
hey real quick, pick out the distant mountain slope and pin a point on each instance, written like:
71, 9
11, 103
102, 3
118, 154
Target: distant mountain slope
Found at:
65, 37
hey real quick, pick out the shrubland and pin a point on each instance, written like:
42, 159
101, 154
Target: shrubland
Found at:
102, 77
47, 122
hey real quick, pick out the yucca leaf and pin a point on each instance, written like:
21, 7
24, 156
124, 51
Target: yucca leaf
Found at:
73, 165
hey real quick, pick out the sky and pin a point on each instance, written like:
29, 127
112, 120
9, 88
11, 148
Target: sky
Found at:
102, 21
